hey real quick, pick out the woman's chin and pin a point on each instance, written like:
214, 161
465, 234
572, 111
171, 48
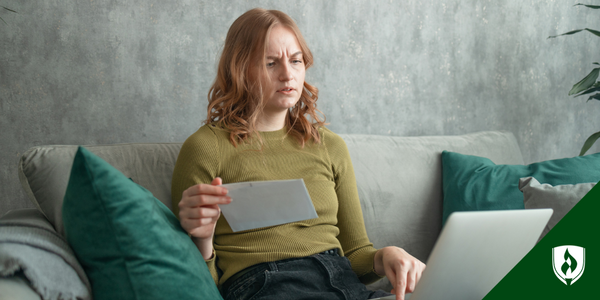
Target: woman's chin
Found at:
283, 105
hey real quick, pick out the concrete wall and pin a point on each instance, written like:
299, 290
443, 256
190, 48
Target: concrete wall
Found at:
99, 72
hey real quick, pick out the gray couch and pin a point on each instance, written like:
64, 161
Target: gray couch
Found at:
399, 183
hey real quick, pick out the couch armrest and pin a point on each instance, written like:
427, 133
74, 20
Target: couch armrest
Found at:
17, 287
30, 246
26, 217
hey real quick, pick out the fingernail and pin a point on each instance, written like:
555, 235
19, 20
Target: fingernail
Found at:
224, 191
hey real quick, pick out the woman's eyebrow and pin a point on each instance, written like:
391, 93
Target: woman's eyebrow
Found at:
276, 57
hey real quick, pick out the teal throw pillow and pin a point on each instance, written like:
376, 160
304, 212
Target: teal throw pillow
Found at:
129, 243
476, 183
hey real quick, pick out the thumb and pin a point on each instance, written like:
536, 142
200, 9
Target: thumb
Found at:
217, 181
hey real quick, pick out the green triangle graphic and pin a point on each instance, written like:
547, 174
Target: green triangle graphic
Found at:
534, 277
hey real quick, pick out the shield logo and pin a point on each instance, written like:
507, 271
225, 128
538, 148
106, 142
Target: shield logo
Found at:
568, 263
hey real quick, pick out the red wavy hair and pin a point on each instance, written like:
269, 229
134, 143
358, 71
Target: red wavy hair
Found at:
235, 99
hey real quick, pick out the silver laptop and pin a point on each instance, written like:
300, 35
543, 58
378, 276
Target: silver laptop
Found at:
476, 250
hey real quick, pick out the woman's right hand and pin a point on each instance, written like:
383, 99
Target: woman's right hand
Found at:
199, 209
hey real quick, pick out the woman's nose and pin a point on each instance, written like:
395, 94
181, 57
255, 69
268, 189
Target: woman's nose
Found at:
285, 73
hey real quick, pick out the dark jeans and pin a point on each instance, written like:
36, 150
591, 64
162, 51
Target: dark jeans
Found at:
320, 276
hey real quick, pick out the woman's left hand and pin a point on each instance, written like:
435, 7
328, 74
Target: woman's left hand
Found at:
402, 269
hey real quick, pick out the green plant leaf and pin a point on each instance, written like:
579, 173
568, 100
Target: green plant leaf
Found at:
596, 32
589, 91
587, 5
585, 83
593, 88
566, 33
589, 142
592, 97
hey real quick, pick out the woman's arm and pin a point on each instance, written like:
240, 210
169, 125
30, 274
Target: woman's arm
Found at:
402, 269
196, 168
353, 235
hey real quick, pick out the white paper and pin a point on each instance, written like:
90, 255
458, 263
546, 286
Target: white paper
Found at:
267, 203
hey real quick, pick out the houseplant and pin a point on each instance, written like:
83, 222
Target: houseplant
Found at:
589, 84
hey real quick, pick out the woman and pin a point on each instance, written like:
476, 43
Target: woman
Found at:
262, 124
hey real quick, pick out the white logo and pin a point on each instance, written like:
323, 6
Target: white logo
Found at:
568, 263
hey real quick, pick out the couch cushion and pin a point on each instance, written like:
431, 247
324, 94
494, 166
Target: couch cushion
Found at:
400, 183
561, 198
129, 243
44, 172
476, 183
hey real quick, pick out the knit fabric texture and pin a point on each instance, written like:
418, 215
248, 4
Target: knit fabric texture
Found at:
329, 177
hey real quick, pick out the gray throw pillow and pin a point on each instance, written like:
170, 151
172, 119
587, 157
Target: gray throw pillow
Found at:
561, 198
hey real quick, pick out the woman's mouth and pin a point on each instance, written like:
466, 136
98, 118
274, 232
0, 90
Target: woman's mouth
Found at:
286, 90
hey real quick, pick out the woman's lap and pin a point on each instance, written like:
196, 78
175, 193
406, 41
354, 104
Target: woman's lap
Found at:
319, 276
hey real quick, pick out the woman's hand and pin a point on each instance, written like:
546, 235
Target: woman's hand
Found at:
402, 269
199, 211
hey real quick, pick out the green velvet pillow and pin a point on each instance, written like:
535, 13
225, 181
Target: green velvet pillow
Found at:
476, 183
129, 243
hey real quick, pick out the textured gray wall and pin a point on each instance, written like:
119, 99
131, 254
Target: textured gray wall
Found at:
99, 72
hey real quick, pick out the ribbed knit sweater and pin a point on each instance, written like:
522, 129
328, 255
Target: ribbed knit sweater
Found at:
329, 177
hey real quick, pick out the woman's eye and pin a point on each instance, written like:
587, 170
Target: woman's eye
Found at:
297, 61
270, 64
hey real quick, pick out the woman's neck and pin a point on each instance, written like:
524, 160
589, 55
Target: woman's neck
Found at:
271, 122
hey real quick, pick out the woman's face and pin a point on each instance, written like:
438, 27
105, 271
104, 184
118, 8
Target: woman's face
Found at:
284, 81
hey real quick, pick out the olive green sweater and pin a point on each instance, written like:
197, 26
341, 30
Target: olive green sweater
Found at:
329, 177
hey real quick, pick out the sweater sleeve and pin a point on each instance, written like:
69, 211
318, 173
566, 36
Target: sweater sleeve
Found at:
353, 235
198, 162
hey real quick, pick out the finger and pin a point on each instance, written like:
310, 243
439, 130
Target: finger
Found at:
400, 295
203, 200
411, 280
190, 225
420, 273
199, 220
200, 189
400, 285
211, 211
392, 278
217, 181
206, 221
